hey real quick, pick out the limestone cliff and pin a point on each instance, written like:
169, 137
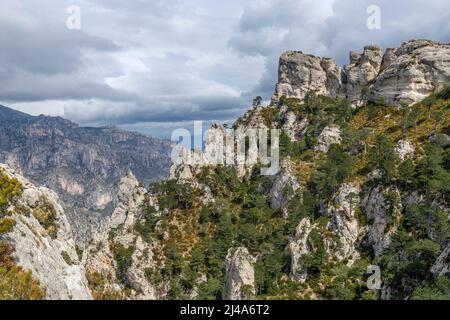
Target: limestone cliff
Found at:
403, 75
42, 242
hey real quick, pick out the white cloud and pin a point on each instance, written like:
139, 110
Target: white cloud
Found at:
150, 64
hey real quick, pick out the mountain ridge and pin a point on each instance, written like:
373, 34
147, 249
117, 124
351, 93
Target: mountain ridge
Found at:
82, 164
359, 210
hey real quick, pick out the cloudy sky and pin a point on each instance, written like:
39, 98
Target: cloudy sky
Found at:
156, 65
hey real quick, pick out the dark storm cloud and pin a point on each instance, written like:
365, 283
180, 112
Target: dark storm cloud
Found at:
333, 28
400, 21
169, 61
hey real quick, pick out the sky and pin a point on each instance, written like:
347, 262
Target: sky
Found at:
157, 65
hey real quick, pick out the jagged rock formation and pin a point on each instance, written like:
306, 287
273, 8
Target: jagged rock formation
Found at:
330, 135
294, 126
344, 224
405, 149
299, 247
49, 253
223, 147
300, 73
403, 75
240, 275
118, 235
383, 216
361, 72
83, 165
442, 264
284, 186
412, 72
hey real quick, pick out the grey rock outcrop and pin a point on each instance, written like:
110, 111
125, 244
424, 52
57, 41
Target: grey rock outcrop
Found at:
362, 70
412, 72
300, 73
403, 75
294, 126
284, 186
442, 264
383, 216
222, 147
299, 247
344, 223
405, 149
240, 275
52, 260
120, 231
330, 135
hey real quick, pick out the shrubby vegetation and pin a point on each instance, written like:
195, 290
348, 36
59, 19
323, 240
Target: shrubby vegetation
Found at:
10, 189
122, 256
100, 289
15, 283
46, 215
193, 239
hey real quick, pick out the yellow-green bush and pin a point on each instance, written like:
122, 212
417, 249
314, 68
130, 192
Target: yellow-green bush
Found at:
10, 189
6, 224
100, 291
15, 283
45, 213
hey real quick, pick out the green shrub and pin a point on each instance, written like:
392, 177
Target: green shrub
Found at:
10, 189
66, 258
15, 283
46, 215
123, 258
6, 224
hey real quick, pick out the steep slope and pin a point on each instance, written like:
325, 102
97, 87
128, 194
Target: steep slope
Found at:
358, 189
35, 236
83, 165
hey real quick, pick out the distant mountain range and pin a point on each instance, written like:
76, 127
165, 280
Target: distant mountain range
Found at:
82, 164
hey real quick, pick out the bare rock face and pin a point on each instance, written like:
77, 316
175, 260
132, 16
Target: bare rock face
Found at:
219, 149
299, 73
299, 248
361, 71
120, 231
83, 165
412, 72
405, 149
442, 264
330, 135
382, 215
292, 124
344, 224
403, 75
252, 121
52, 259
240, 275
284, 186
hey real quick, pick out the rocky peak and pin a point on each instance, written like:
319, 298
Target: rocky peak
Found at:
402, 75
83, 165
299, 248
120, 234
240, 275
284, 186
300, 73
412, 72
